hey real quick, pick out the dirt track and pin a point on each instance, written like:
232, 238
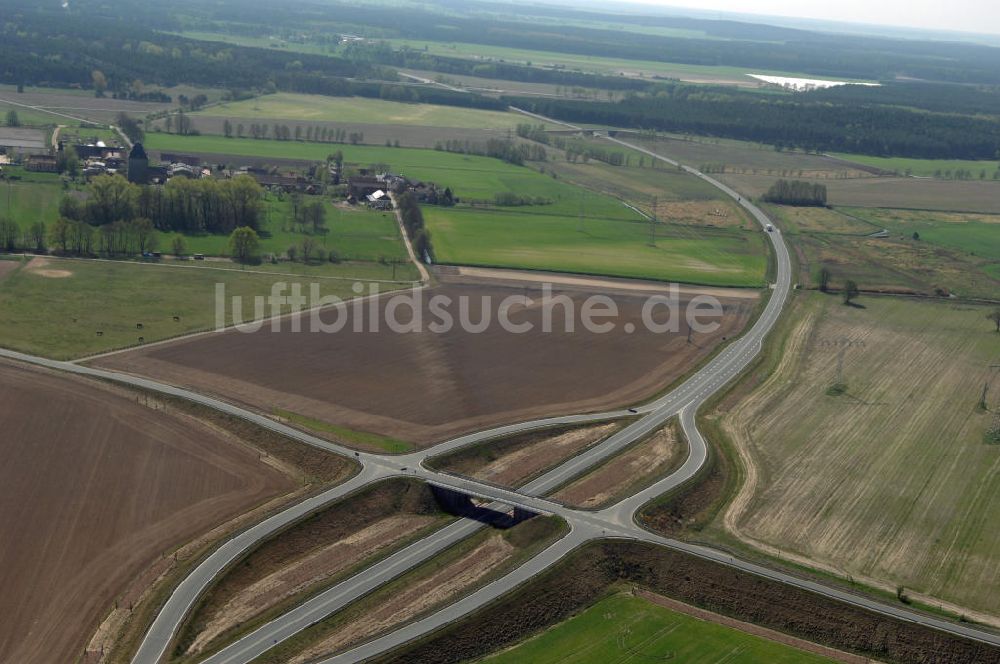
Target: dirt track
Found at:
424, 387
94, 489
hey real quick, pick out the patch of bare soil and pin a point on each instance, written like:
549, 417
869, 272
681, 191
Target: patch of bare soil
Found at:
430, 385
512, 461
652, 458
309, 553
312, 568
97, 488
439, 587
309, 467
464, 274
38, 267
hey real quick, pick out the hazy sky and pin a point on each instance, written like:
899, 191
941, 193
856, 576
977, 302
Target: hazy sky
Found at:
982, 16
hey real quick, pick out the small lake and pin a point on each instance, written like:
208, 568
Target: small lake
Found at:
806, 84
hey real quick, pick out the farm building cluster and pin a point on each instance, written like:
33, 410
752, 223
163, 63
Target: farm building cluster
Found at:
372, 187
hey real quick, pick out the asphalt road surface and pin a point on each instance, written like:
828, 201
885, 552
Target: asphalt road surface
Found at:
615, 521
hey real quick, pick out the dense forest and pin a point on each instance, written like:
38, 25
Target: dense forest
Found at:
111, 51
796, 121
726, 42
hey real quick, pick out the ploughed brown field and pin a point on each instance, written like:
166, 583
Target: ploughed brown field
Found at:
425, 387
94, 488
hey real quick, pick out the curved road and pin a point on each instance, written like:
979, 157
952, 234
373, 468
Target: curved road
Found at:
614, 521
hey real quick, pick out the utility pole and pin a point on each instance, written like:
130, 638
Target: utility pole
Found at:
652, 227
840, 365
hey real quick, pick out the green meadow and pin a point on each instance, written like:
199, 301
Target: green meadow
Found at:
594, 245
351, 110
623, 628
927, 167
49, 304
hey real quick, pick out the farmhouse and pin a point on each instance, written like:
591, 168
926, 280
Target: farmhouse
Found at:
286, 183
42, 163
172, 158
99, 151
361, 186
183, 170
379, 200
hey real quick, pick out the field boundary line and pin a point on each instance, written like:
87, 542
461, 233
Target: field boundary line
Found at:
232, 326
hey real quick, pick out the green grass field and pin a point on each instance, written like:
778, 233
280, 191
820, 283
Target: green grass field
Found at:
259, 42
469, 176
622, 628
356, 234
362, 439
956, 252
975, 234
926, 167
30, 117
889, 480
613, 241
499, 238
318, 108
56, 307
35, 197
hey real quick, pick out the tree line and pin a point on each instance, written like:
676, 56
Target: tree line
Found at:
413, 222
797, 192
577, 149
282, 132
498, 148
182, 205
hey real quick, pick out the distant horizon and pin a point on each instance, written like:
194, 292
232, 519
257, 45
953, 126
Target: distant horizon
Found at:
969, 17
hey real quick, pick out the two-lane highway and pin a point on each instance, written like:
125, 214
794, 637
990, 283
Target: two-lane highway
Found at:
615, 521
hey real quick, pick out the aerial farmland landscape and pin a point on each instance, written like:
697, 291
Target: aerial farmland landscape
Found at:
499, 332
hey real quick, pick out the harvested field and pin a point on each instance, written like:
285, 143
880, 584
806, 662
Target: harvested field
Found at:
48, 102
96, 488
887, 479
22, 138
425, 386
305, 558
599, 569
887, 192
625, 473
513, 461
749, 158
